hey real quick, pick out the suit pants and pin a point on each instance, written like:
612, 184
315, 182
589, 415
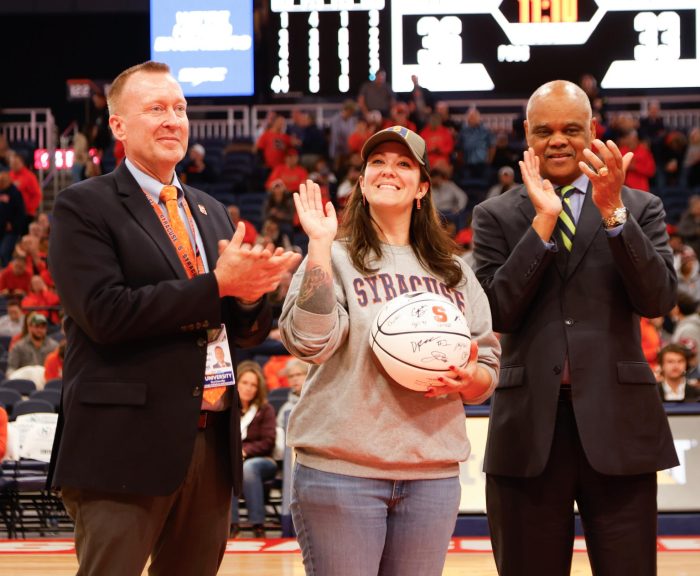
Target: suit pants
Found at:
532, 519
184, 533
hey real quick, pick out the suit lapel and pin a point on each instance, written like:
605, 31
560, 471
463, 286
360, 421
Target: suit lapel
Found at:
588, 225
135, 201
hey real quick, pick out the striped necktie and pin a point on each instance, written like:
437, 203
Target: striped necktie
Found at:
566, 222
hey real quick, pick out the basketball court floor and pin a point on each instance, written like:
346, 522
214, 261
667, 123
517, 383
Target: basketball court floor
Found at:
678, 556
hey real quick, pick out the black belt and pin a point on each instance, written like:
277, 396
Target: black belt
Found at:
209, 418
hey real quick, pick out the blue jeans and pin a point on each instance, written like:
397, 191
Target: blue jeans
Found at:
350, 526
255, 472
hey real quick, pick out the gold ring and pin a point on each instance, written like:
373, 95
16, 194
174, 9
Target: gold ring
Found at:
603, 171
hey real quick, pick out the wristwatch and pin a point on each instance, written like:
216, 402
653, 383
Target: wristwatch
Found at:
617, 218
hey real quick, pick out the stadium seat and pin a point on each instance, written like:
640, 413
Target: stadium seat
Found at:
53, 384
278, 397
8, 398
22, 385
31, 406
51, 396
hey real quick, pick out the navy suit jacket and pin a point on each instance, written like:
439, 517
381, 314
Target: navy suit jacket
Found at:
588, 304
136, 338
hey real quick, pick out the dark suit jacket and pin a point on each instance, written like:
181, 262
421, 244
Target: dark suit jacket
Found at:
136, 338
587, 303
261, 434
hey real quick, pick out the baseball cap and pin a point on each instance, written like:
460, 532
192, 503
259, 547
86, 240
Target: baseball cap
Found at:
38, 319
401, 134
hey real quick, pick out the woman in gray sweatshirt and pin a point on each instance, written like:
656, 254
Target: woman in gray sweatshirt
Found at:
376, 487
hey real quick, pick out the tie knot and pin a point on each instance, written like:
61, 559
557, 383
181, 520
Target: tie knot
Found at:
168, 193
566, 191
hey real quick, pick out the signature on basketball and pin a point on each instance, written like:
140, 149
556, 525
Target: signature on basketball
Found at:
435, 355
436, 340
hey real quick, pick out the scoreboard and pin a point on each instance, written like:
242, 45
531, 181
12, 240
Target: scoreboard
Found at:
330, 47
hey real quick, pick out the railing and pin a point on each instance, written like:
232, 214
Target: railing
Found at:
224, 122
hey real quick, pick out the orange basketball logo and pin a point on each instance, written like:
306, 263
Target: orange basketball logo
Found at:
440, 315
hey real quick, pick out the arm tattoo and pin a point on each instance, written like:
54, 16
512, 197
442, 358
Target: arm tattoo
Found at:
316, 293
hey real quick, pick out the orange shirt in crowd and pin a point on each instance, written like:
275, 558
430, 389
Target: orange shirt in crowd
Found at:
53, 366
272, 371
28, 185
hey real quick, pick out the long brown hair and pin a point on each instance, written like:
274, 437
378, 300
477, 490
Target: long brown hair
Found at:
430, 242
254, 368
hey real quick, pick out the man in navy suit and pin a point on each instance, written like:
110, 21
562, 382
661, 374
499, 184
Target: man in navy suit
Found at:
569, 262
145, 457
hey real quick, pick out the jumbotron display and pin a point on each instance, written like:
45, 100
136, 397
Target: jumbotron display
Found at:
331, 47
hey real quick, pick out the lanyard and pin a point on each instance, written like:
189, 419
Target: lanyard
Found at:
184, 251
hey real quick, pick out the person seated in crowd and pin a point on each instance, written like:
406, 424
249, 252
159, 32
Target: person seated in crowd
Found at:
310, 141
506, 181
295, 371
43, 298
251, 234
32, 349
474, 146
195, 169
27, 183
689, 275
341, 126
258, 434
11, 323
347, 185
687, 328
652, 128
689, 224
449, 199
15, 278
691, 162
289, 172
399, 116
643, 166
274, 142
670, 160
29, 247
673, 366
279, 206
53, 365
12, 216
359, 136
439, 141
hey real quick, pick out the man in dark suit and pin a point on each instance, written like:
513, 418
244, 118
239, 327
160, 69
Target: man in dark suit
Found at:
146, 456
576, 415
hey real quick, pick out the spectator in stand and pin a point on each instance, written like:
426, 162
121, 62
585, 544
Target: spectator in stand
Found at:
196, 170
279, 206
506, 181
439, 140
12, 322
376, 94
53, 365
98, 131
274, 143
12, 216
359, 136
650, 329
346, 187
251, 234
29, 248
28, 185
589, 85
32, 349
271, 234
670, 161
448, 198
443, 109
258, 432
503, 153
15, 278
651, 127
691, 162
689, 225
341, 126
474, 147
643, 166
421, 103
42, 298
289, 172
687, 327
674, 386
4, 153
312, 143
295, 371
399, 117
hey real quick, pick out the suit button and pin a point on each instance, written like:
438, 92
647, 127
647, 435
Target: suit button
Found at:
569, 321
197, 391
557, 369
201, 342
